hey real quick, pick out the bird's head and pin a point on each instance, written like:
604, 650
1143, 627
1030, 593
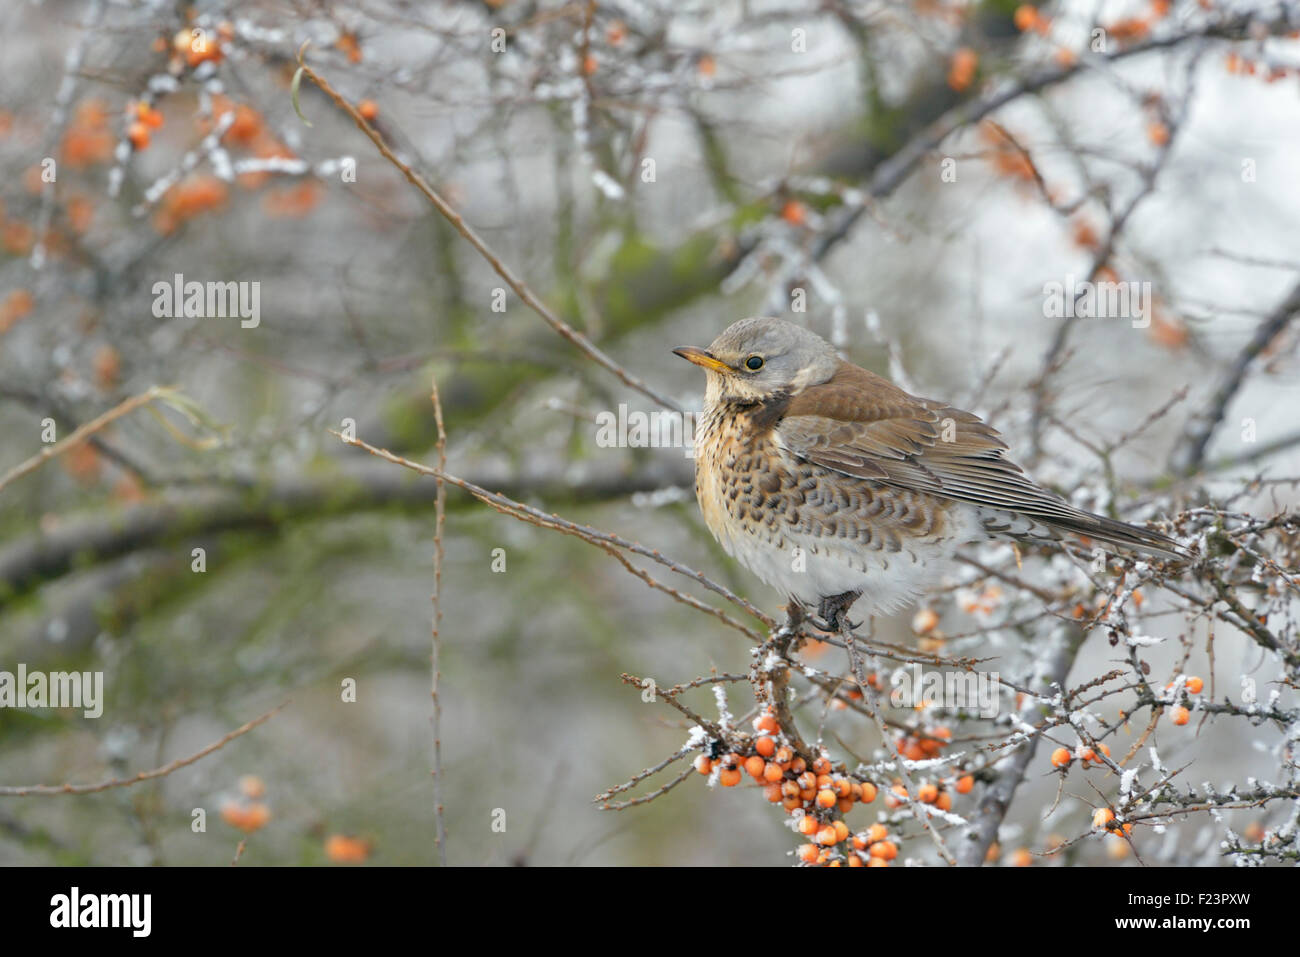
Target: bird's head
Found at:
756, 359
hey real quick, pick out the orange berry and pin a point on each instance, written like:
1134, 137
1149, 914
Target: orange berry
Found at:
885, 850
841, 831
346, 850
703, 764
1022, 858
855, 860
808, 853
246, 817
347, 42
765, 746
827, 836
794, 212
138, 134
877, 832
962, 69
1158, 133
790, 789
785, 756
1180, 715
755, 766
1061, 758
196, 46
845, 805
822, 765
843, 787
1086, 754
368, 109
927, 793
1102, 816
826, 798
791, 803
15, 306
147, 115
924, 621
1194, 685
807, 780
944, 803
772, 773
729, 777
965, 783
107, 365
808, 825
868, 792
773, 793
798, 765
1025, 17
877, 862
245, 126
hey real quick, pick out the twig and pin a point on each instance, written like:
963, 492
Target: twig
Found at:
1052, 667
537, 517
80, 434
440, 515
41, 790
1190, 452
521, 289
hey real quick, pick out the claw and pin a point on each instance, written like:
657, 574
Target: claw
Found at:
832, 610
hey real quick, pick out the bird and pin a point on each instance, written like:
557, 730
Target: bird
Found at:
830, 483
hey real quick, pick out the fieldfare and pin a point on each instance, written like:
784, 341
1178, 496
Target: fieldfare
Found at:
831, 483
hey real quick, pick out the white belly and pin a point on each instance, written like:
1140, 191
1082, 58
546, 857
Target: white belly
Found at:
811, 569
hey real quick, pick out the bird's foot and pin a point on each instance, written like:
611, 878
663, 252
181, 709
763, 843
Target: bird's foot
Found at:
832, 612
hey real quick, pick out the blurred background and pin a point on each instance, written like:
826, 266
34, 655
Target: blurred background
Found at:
903, 177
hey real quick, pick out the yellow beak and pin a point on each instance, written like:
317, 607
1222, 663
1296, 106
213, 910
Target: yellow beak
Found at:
702, 358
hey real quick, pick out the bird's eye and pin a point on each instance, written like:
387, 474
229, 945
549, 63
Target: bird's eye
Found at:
754, 363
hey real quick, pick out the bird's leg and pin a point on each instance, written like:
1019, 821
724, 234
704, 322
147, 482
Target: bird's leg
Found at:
831, 610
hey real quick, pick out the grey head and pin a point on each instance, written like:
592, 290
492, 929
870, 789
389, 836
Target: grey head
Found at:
756, 358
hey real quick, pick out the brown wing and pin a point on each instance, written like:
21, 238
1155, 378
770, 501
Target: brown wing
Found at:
862, 425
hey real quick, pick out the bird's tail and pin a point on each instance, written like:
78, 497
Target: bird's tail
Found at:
1075, 521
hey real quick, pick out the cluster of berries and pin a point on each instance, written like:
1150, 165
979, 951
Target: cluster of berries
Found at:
817, 794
